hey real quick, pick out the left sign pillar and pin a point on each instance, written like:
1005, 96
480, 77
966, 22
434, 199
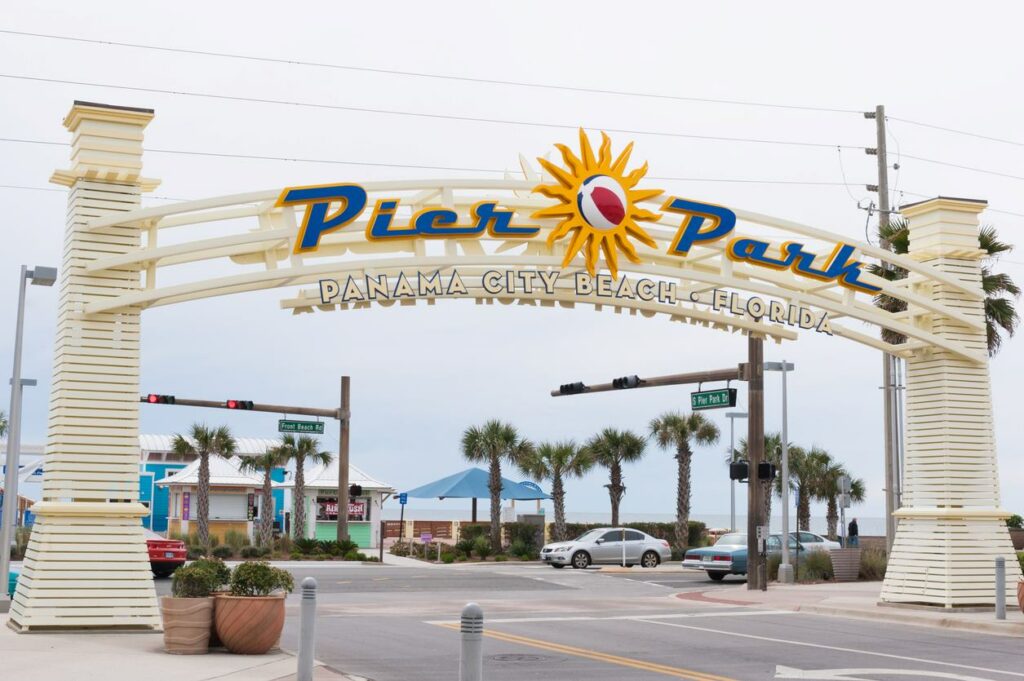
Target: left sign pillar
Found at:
87, 566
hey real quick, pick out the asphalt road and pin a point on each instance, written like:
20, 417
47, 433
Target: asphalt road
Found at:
401, 624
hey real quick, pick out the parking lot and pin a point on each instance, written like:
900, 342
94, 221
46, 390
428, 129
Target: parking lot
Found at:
398, 623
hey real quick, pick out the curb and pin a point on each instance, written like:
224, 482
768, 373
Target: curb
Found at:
908, 617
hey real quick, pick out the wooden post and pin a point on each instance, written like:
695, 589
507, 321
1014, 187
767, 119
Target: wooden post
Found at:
755, 452
344, 416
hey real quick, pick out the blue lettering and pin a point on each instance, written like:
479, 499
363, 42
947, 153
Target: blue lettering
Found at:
316, 222
722, 220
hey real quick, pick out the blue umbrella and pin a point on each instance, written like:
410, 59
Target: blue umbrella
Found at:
472, 483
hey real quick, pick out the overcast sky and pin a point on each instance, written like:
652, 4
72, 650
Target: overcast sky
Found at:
421, 375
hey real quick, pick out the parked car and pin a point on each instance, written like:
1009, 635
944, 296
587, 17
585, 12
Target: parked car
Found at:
729, 555
815, 542
165, 555
604, 546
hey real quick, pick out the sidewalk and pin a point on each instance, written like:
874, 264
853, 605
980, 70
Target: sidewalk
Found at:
860, 600
134, 656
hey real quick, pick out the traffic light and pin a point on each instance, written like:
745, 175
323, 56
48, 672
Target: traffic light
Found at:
160, 399
766, 471
739, 470
239, 404
355, 491
572, 388
626, 382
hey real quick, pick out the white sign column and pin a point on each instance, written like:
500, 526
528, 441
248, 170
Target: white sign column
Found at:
951, 527
87, 564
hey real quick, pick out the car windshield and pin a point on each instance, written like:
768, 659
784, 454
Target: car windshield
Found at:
590, 534
735, 539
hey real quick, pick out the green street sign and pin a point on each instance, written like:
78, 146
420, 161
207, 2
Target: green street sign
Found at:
713, 399
284, 426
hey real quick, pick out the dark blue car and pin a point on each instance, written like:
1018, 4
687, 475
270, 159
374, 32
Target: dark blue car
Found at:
729, 555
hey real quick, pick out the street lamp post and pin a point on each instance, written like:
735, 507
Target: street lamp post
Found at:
785, 568
40, 276
732, 416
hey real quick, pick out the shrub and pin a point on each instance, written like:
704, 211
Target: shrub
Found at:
872, 564
195, 552
214, 541
21, 537
259, 578
264, 551
235, 539
774, 561
193, 581
223, 552
346, 546
306, 546
482, 547
464, 546
461, 559
216, 567
249, 552
399, 548
295, 555
814, 566
353, 555
471, 531
448, 558
283, 544
500, 558
330, 547
1015, 521
372, 559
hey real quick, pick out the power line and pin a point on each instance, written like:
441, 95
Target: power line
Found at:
421, 74
963, 167
64, 191
955, 131
420, 114
421, 166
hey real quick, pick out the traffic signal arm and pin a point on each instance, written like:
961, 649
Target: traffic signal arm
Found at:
735, 374
223, 404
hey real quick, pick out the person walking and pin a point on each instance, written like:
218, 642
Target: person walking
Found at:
852, 533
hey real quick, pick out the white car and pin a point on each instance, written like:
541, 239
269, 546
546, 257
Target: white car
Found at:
814, 542
607, 546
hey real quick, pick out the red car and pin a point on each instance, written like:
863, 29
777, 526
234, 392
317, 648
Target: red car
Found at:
165, 555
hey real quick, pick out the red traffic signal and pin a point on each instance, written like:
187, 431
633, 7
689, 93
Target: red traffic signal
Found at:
239, 404
160, 399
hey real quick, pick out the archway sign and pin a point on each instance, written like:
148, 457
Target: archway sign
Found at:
584, 228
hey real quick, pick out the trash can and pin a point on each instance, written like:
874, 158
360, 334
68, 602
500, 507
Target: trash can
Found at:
12, 582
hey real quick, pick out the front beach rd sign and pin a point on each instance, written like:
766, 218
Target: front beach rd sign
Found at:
509, 282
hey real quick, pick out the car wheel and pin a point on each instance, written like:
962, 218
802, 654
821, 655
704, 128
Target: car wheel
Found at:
717, 576
581, 560
650, 560
557, 566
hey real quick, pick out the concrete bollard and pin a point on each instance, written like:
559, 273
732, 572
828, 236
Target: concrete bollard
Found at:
307, 630
1000, 588
471, 662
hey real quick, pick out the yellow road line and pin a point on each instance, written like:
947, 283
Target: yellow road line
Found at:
676, 672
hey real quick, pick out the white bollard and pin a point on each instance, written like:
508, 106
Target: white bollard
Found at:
1000, 588
307, 630
471, 662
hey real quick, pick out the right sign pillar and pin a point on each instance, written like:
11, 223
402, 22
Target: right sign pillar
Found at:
950, 527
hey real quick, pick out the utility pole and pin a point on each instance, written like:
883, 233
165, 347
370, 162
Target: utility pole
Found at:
344, 416
757, 577
888, 390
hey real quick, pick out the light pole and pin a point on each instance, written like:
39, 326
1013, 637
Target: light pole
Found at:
40, 276
732, 416
785, 569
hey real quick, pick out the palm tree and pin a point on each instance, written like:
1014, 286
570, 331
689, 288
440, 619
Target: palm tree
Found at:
807, 471
201, 443
302, 449
493, 443
556, 461
611, 448
772, 454
1000, 291
830, 492
265, 463
677, 431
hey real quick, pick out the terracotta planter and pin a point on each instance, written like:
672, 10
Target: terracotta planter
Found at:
187, 624
250, 625
1020, 595
214, 639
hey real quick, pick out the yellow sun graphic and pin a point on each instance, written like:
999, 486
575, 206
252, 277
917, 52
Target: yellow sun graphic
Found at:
597, 204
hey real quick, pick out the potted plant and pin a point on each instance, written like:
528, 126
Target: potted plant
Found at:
249, 618
221, 576
188, 612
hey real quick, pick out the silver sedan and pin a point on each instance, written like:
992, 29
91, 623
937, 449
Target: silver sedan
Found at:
608, 546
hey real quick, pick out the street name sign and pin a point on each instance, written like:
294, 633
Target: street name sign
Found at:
286, 426
713, 399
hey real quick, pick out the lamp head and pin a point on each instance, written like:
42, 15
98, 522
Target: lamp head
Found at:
42, 276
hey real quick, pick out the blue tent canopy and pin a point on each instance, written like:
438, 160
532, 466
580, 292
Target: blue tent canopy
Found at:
472, 484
